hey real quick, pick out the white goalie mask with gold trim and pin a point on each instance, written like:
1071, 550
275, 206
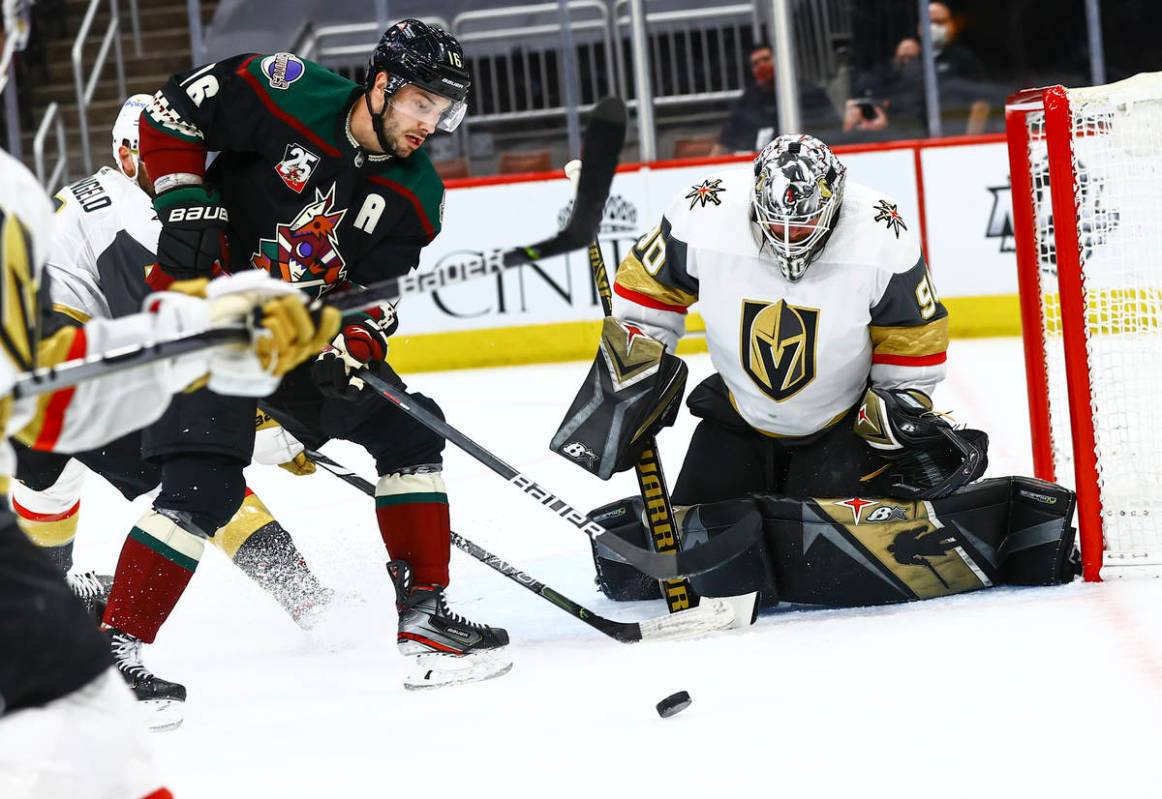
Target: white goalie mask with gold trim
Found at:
797, 193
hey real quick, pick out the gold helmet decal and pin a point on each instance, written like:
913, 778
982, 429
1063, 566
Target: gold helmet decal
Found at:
778, 346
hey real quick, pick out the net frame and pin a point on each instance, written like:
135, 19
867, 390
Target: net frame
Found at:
1066, 332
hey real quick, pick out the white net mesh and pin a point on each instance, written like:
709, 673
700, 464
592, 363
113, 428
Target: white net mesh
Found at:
1117, 146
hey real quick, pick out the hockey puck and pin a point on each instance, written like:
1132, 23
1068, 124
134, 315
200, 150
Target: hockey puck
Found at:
674, 704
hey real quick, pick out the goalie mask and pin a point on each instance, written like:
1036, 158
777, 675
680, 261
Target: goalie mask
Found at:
797, 193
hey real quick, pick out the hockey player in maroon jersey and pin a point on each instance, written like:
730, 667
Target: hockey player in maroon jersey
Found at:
318, 182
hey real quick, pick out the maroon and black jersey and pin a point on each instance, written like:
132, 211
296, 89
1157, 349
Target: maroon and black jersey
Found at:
305, 202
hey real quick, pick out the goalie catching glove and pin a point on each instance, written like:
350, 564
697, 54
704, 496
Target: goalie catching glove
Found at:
927, 457
359, 344
633, 390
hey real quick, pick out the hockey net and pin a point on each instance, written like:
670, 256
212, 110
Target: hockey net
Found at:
1086, 168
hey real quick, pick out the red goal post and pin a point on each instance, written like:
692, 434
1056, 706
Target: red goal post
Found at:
1086, 173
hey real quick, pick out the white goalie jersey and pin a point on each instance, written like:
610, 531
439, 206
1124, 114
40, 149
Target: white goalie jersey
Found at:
795, 356
104, 245
91, 413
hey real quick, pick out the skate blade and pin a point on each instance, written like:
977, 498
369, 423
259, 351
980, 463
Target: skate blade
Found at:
440, 671
162, 714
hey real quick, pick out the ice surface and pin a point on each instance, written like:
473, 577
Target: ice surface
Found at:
1005, 693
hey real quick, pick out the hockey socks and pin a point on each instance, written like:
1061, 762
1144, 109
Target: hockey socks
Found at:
53, 533
50, 517
157, 561
265, 552
412, 510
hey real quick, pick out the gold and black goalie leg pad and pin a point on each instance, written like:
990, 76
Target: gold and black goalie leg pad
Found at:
850, 551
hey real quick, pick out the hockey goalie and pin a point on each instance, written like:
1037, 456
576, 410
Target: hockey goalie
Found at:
827, 338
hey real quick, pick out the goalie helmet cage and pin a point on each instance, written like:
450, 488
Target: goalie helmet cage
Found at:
1086, 168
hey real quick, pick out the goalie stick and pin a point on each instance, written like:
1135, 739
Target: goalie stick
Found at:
700, 559
603, 134
665, 532
709, 616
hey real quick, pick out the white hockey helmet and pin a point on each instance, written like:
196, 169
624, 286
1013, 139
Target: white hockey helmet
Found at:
125, 128
797, 193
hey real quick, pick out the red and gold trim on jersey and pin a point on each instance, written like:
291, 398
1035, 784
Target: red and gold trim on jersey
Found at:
45, 429
918, 345
636, 284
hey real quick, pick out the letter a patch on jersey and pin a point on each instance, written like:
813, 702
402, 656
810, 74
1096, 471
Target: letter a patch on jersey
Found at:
296, 167
778, 346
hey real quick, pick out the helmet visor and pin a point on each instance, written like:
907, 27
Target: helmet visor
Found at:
433, 111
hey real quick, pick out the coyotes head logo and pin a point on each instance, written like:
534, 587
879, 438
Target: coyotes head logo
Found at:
306, 251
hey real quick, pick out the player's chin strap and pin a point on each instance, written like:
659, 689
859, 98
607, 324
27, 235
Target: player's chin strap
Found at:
377, 119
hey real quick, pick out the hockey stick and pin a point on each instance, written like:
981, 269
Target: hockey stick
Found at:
606, 126
710, 615
665, 532
700, 559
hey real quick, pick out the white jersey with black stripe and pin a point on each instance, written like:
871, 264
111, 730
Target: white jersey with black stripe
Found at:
105, 242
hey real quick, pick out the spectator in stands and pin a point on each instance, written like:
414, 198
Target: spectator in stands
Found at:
893, 98
754, 117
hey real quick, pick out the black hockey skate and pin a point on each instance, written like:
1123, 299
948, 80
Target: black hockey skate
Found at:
444, 647
93, 591
161, 699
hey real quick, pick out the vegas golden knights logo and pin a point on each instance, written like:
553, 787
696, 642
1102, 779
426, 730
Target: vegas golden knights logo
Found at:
19, 326
778, 346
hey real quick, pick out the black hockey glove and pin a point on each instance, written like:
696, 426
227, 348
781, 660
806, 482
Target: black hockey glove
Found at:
193, 232
360, 344
927, 457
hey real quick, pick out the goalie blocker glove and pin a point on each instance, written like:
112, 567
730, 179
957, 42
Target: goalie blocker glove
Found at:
633, 390
927, 457
192, 242
360, 344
